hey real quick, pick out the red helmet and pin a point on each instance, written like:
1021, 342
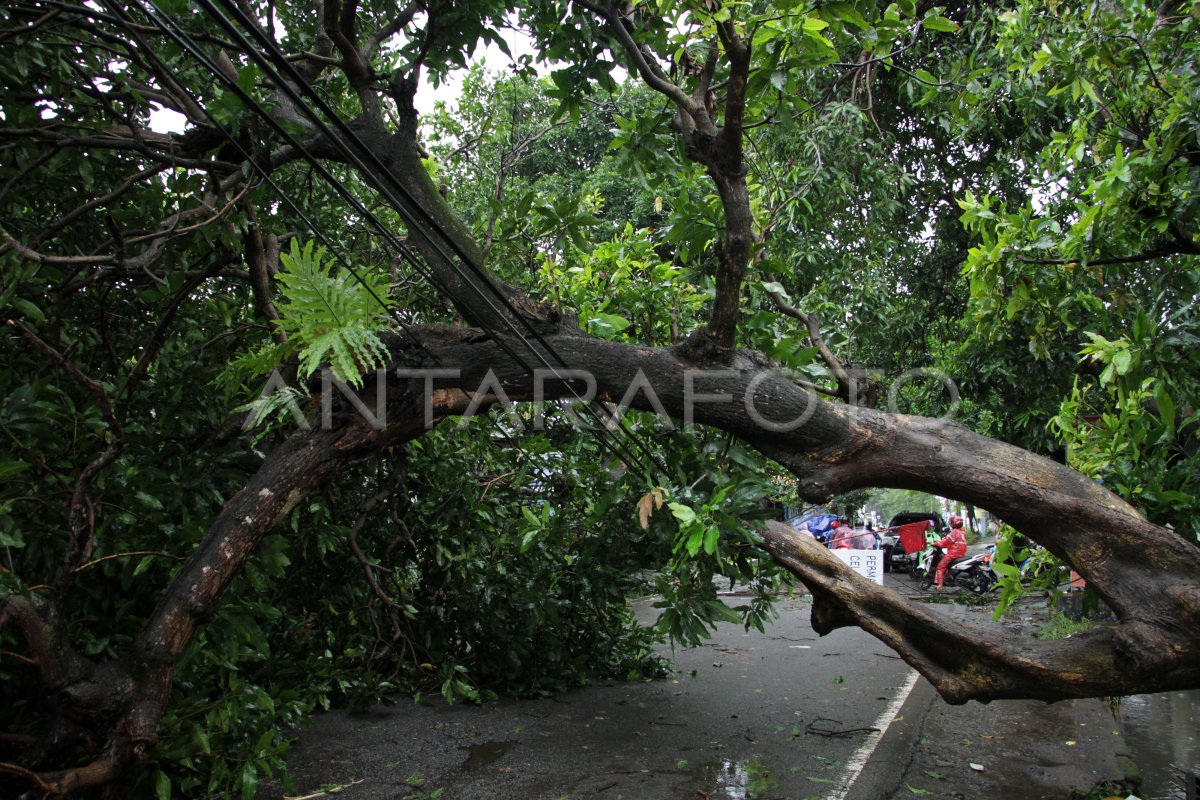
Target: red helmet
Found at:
956, 521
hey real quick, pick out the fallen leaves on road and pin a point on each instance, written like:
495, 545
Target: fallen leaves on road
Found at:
324, 791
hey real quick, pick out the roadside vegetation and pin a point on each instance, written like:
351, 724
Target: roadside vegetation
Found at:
838, 206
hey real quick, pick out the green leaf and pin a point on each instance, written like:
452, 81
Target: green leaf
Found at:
149, 500
14, 540
162, 786
1121, 361
202, 740
1007, 570
848, 13
601, 323
718, 610
247, 78
334, 317
249, 781
10, 468
682, 513
28, 309
1166, 408
775, 287
939, 23
1018, 301
528, 539
794, 352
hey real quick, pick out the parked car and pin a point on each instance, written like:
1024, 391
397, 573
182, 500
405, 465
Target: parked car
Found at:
894, 557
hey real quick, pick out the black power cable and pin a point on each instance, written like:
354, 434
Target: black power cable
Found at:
124, 21
404, 204
416, 217
184, 41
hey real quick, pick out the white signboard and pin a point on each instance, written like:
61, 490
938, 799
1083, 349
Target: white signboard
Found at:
868, 563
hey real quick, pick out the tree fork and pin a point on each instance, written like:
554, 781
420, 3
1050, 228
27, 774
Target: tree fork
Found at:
963, 665
1146, 573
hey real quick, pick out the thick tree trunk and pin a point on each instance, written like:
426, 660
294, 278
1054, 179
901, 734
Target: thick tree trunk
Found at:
965, 663
123, 701
1147, 574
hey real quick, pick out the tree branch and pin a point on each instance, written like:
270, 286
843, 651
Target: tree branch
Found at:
80, 520
165, 319
393, 609
98, 391
813, 326
262, 255
77, 212
130, 554
401, 19
38, 620
1179, 247
963, 663
721, 151
340, 25
735, 98
650, 73
291, 471
168, 152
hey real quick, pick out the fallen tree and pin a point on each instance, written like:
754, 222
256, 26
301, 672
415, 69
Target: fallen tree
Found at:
428, 373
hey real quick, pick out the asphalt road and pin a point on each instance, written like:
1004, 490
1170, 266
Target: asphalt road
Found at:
785, 714
781, 715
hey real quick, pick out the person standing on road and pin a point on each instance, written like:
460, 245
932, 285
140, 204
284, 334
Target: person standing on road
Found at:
875, 541
955, 543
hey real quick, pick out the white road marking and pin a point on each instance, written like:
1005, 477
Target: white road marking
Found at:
862, 755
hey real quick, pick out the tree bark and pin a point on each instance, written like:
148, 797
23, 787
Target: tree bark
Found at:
966, 663
1147, 574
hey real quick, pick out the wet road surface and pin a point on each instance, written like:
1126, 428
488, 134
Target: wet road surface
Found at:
784, 714
756, 716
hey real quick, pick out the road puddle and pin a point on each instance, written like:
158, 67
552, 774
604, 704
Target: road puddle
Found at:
1163, 733
745, 779
480, 755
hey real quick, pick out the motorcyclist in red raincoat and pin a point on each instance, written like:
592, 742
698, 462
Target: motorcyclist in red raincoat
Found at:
955, 543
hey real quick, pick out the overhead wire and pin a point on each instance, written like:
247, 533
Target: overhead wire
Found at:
416, 216
124, 21
418, 219
183, 39
284, 197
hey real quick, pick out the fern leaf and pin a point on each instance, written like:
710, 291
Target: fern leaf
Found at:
333, 318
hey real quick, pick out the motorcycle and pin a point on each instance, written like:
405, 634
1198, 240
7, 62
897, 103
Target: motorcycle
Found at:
973, 573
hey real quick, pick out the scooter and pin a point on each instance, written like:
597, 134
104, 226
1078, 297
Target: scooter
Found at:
973, 573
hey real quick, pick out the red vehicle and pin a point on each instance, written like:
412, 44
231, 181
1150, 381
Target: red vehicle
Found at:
901, 554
